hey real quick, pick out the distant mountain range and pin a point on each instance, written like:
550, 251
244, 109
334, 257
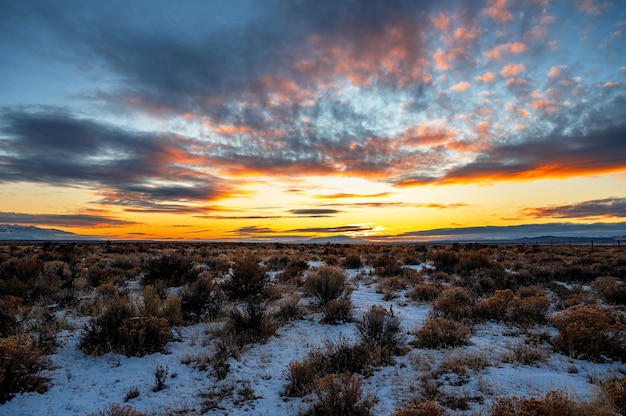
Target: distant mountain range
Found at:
488, 235
30, 233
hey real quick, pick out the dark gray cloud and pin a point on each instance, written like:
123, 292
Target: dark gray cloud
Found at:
314, 212
337, 230
129, 167
608, 207
63, 220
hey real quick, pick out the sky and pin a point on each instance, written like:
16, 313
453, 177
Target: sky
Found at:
282, 120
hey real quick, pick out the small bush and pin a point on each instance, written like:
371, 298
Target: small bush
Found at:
380, 328
101, 335
455, 303
290, 310
425, 408
386, 266
142, 335
201, 299
119, 410
340, 395
160, 376
325, 284
528, 311
554, 403
172, 269
495, 307
617, 394
352, 261
425, 292
332, 358
337, 311
247, 279
590, 333
442, 333
20, 365
444, 260
250, 323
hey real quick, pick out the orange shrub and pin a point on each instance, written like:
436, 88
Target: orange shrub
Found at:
455, 303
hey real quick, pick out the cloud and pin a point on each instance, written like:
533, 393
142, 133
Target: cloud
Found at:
512, 70
314, 212
498, 51
126, 166
335, 230
554, 156
606, 208
461, 86
351, 196
252, 230
85, 220
485, 78
498, 12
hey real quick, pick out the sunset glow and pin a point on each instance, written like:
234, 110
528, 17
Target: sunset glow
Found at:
280, 120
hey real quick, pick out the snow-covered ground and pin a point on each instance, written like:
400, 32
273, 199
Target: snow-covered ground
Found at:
81, 384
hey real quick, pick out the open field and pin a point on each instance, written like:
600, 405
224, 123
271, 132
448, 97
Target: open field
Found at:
207, 328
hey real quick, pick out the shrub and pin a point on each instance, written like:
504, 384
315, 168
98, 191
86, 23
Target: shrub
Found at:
496, 306
386, 266
425, 292
101, 335
554, 403
142, 335
20, 365
250, 323
332, 358
290, 310
528, 311
247, 279
119, 410
617, 394
160, 376
380, 328
425, 408
201, 299
455, 303
444, 260
610, 289
352, 261
337, 311
325, 284
468, 262
340, 395
589, 333
172, 269
442, 333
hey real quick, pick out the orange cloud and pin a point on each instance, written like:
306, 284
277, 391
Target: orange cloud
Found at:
485, 78
427, 135
612, 84
441, 21
461, 86
556, 72
512, 70
498, 11
442, 60
353, 196
506, 48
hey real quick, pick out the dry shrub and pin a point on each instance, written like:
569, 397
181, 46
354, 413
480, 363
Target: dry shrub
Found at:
380, 328
554, 403
470, 261
20, 365
9, 307
528, 311
337, 311
352, 261
100, 335
425, 292
250, 323
386, 266
590, 333
290, 310
246, 280
495, 307
425, 408
172, 269
617, 394
444, 260
610, 289
455, 303
119, 410
201, 299
332, 358
442, 333
325, 284
340, 395
142, 335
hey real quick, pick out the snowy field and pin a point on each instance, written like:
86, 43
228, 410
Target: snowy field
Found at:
82, 384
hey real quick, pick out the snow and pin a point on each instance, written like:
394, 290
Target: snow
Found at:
81, 384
